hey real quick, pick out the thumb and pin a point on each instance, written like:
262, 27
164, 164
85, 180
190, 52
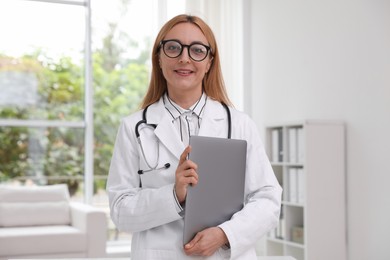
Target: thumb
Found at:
184, 155
193, 241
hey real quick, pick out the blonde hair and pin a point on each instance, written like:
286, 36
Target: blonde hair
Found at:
213, 84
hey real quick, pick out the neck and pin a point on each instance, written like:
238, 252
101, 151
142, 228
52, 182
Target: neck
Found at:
185, 100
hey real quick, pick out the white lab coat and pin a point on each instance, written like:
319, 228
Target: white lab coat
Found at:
151, 212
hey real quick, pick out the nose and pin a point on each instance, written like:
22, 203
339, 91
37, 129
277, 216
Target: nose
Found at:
185, 56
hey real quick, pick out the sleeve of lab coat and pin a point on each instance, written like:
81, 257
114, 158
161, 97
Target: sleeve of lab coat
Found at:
134, 209
262, 196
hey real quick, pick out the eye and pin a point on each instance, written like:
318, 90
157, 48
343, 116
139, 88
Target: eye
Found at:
198, 49
172, 47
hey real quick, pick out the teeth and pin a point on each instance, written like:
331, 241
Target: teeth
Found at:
184, 71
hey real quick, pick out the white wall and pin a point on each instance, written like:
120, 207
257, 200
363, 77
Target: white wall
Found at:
331, 60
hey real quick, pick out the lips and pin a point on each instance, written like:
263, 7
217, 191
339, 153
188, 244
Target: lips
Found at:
184, 72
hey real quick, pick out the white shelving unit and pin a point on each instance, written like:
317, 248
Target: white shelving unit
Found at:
308, 159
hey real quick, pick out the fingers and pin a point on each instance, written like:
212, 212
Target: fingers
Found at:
184, 155
190, 172
185, 175
186, 167
192, 248
191, 244
183, 179
206, 242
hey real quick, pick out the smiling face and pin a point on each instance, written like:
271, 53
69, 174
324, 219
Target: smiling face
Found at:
183, 75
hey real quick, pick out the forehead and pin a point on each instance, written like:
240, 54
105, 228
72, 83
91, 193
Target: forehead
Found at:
186, 33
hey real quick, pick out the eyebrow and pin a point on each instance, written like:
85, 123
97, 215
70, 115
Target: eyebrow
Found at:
194, 42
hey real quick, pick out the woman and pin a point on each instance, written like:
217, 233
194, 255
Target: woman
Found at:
148, 180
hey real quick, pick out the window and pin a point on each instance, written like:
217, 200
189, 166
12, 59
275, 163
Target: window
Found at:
42, 87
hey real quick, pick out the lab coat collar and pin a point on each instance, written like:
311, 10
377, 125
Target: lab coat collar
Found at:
214, 123
165, 130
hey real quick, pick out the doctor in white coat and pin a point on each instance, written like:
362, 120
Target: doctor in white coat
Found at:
150, 172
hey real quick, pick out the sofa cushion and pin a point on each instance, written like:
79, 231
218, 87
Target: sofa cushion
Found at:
32, 206
34, 214
58, 192
35, 240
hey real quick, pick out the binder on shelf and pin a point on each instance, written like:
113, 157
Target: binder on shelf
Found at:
272, 233
292, 145
300, 145
293, 185
281, 228
277, 145
300, 186
296, 185
274, 145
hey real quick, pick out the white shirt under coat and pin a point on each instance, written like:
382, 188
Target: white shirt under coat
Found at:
151, 214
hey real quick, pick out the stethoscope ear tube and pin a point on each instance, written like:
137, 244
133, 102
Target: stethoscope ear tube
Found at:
143, 121
229, 120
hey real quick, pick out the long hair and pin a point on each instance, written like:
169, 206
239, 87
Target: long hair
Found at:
213, 84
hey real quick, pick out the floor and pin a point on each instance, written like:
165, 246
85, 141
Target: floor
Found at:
118, 249
121, 249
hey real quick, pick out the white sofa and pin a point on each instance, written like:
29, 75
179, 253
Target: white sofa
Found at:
41, 222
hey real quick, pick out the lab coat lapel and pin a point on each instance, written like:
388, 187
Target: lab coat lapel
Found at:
165, 130
214, 121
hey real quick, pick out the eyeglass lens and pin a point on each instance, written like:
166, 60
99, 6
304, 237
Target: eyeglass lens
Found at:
196, 51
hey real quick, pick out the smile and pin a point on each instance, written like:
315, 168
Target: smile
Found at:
184, 72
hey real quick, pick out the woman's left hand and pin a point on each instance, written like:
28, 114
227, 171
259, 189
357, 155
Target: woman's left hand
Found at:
206, 242
185, 175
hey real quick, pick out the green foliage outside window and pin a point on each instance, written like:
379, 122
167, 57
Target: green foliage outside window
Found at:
117, 92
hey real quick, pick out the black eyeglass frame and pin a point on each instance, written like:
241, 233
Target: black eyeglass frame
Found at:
163, 42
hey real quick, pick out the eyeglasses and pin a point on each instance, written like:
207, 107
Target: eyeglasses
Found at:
174, 48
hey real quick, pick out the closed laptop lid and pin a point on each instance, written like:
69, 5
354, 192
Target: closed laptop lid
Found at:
220, 189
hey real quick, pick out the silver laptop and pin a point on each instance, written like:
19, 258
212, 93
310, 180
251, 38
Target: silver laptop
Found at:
220, 189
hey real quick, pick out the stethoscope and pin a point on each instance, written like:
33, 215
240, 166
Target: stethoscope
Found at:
153, 126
